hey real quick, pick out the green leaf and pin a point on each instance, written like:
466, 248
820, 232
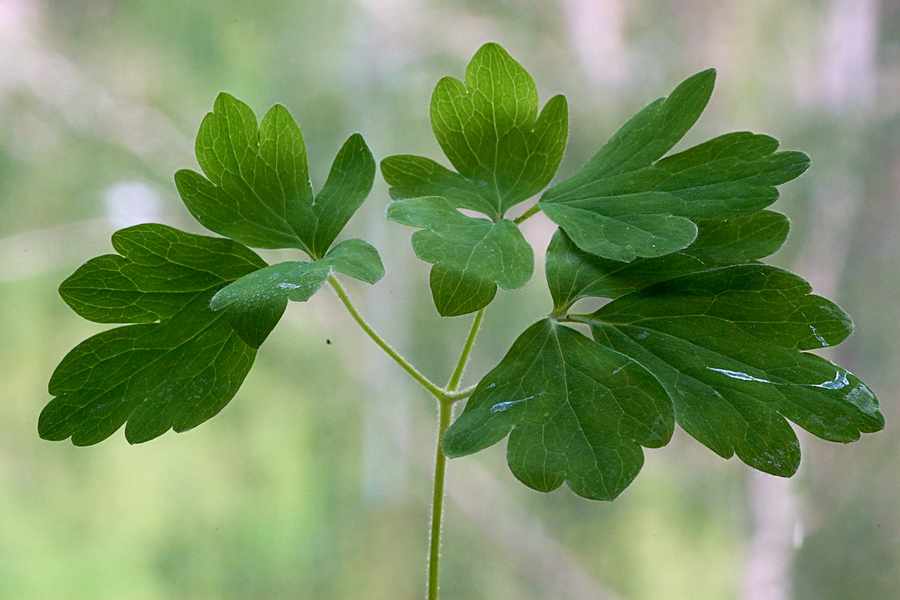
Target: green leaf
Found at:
573, 274
257, 189
727, 345
459, 292
254, 299
177, 366
504, 152
416, 176
574, 410
473, 255
358, 259
629, 202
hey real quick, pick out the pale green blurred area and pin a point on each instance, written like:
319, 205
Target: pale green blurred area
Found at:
315, 481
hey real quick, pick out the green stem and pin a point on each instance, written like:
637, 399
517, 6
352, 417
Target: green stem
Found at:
456, 377
446, 398
440, 459
575, 318
437, 503
414, 373
527, 214
460, 394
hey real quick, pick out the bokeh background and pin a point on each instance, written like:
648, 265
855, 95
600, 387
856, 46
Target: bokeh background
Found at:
314, 482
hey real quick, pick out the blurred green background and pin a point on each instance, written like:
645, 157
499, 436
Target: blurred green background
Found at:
315, 481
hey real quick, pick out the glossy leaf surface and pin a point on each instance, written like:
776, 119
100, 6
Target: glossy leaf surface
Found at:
256, 188
573, 274
574, 410
176, 365
253, 301
503, 150
727, 345
472, 255
628, 201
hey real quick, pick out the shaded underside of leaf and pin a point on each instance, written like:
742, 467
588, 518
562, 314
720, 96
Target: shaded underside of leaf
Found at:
179, 366
575, 411
458, 293
472, 255
622, 237
255, 302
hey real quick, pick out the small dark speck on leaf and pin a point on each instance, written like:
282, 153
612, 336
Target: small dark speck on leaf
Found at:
327, 341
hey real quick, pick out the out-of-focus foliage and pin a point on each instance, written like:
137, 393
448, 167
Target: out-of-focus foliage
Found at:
99, 102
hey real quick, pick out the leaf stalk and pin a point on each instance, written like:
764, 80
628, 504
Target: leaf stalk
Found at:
338, 288
437, 503
527, 214
440, 460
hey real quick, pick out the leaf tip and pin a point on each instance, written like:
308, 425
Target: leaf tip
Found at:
710, 73
705, 78
491, 48
223, 100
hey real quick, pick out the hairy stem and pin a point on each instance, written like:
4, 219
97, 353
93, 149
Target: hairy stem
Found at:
466, 352
446, 398
413, 372
440, 460
462, 394
437, 503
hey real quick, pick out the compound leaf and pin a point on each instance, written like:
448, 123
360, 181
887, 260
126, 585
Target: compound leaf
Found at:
727, 344
254, 299
504, 152
473, 255
256, 188
629, 202
574, 410
177, 365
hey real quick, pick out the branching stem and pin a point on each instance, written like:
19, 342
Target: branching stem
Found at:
440, 460
460, 394
405, 364
446, 398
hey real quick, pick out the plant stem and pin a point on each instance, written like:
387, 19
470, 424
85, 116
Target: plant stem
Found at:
446, 398
575, 318
445, 404
527, 214
414, 373
437, 502
456, 377
460, 394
